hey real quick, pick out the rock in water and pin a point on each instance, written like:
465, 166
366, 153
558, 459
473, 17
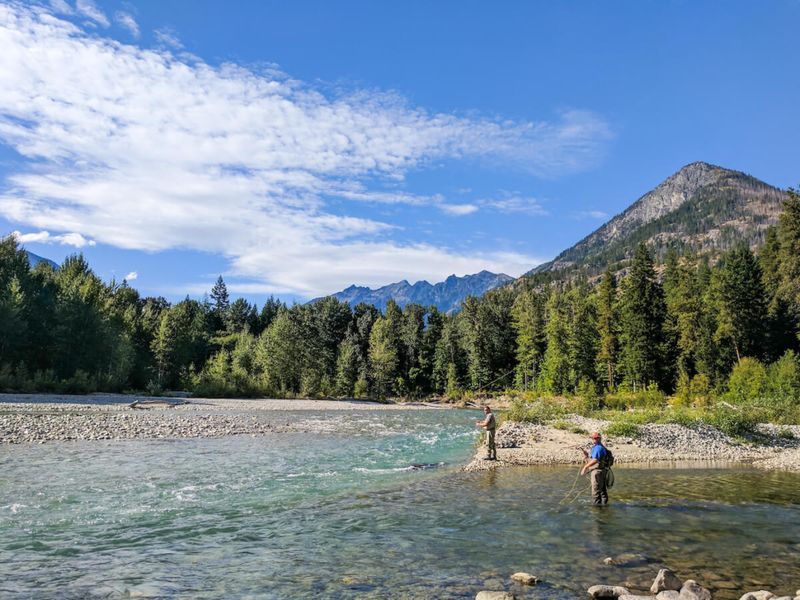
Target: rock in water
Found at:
599, 592
668, 595
692, 590
634, 597
524, 578
666, 580
759, 595
495, 596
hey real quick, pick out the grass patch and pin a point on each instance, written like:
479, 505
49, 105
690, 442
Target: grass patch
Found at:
568, 426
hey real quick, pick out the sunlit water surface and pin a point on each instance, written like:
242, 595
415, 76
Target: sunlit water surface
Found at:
345, 513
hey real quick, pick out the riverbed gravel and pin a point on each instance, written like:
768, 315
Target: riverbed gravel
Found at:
44, 418
772, 447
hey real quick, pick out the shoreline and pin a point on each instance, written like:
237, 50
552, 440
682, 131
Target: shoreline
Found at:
526, 444
41, 418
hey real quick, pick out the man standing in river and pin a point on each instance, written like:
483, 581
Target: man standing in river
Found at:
490, 425
596, 466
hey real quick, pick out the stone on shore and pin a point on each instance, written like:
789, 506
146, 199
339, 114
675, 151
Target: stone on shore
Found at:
668, 595
525, 578
759, 595
635, 597
692, 590
666, 580
598, 592
495, 596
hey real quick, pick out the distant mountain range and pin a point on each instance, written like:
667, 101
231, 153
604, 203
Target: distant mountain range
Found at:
702, 208
35, 259
446, 295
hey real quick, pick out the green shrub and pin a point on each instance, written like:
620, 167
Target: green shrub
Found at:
650, 397
361, 388
786, 433
622, 428
735, 422
747, 382
539, 411
588, 397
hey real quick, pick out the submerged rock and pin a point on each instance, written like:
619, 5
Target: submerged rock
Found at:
607, 591
692, 590
495, 596
666, 580
525, 578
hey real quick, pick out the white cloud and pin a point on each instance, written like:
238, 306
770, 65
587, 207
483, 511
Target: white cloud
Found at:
133, 275
61, 7
458, 210
591, 214
142, 150
45, 237
517, 204
167, 37
128, 22
89, 9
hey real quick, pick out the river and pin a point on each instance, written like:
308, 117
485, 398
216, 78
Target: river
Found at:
372, 505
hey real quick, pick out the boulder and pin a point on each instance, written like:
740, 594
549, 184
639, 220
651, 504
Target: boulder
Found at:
597, 592
634, 597
495, 596
524, 578
691, 590
759, 595
668, 595
666, 580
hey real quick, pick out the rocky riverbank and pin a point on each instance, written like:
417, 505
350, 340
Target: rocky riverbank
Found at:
530, 444
665, 586
43, 418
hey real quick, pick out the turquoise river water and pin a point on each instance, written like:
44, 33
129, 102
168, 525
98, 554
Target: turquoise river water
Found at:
343, 513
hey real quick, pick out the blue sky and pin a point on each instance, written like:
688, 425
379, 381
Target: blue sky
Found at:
299, 147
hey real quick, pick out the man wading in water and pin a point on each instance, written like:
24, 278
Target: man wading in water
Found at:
598, 467
490, 425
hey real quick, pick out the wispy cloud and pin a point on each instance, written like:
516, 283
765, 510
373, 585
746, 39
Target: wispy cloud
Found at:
127, 21
166, 36
61, 7
89, 9
45, 237
132, 276
458, 209
591, 214
144, 150
516, 205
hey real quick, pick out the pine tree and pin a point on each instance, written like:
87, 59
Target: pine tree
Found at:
740, 303
642, 313
528, 321
789, 254
555, 377
383, 357
583, 337
220, 304
607, 323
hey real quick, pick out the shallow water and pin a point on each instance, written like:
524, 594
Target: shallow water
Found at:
345, 513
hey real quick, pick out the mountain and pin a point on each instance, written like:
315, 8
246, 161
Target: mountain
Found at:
35, 259
702, 208
446, 295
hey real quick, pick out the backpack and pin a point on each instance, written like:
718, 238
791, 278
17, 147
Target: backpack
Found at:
608, 461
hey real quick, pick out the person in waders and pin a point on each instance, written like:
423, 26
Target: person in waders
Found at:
490, 425
597, 466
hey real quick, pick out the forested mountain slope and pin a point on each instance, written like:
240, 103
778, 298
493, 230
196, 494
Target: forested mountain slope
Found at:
702, 208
